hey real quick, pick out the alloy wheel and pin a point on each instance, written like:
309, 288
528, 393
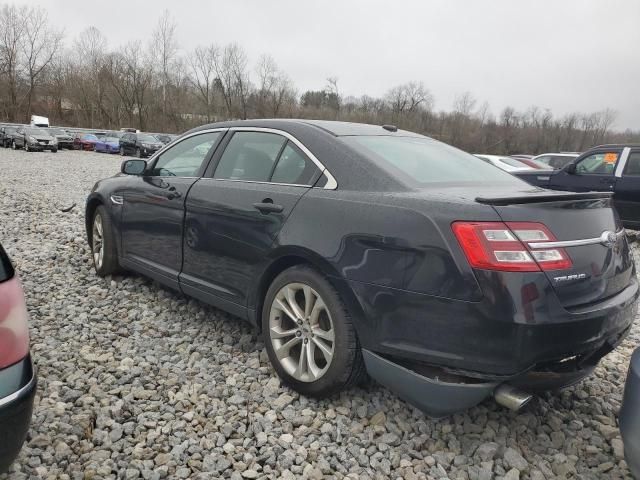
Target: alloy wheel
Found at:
301, 332
98, 242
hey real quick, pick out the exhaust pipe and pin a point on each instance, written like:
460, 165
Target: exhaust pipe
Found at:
510, 397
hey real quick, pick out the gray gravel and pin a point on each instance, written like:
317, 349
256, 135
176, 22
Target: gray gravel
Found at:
139, 382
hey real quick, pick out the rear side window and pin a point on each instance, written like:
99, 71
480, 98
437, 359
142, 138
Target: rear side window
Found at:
250, 156
6, 269
426, 161
601, 163
294, 167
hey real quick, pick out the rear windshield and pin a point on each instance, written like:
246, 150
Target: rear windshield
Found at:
422, 160
147, 138
6, 269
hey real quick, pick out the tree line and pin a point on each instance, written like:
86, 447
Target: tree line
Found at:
154, 85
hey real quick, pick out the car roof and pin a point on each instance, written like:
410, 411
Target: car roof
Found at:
335, 128
616, 145
558, 155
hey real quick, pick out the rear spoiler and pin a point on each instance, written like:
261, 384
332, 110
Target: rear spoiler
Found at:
548, 196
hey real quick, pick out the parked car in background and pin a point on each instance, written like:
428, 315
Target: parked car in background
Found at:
107, 144
606, 168
165, 138
84, 141
34, 139
62, 136
530, 162
446, 279
6, 135
507, 164
556, 160
522, 156
139, 144
17, 374
629, 418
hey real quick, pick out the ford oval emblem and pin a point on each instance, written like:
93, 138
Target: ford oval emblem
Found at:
608, 238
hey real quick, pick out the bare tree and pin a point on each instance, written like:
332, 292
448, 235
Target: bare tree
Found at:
202, 62
233, 77
409, 97
41, 42
90, 79
12, 33
164, 47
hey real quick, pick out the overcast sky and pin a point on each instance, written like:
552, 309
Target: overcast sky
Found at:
568, 55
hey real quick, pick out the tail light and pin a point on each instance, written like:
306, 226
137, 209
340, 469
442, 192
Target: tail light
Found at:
504, 246
14, 332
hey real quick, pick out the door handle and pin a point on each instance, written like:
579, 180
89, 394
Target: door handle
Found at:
173, 193
268, 207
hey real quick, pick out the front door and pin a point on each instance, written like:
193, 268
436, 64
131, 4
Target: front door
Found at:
595, 172
233, 217
153, 208
627, 196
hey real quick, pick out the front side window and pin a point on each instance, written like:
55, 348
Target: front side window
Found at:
602, 163
185, 158
424, 161
250, 156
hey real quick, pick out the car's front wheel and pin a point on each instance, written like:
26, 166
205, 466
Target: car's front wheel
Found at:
103, 248
309, 335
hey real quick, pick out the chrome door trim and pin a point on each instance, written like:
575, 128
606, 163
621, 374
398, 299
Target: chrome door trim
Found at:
578, 243
331, 184
622, 162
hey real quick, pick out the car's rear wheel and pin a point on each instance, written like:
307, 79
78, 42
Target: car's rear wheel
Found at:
13, 145
122, 151
26, 147
309, 335
54, 150
138, 152
103, 248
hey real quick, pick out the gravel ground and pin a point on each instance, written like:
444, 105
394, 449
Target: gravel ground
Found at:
139, 382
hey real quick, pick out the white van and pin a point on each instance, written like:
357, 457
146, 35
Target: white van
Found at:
38, 121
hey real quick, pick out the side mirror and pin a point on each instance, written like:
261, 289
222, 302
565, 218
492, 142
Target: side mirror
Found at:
133, 167
570, 169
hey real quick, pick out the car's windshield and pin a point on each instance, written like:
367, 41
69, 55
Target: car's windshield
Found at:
57, 131
423, 160
147, 138
89, 137
36, 131
111, 139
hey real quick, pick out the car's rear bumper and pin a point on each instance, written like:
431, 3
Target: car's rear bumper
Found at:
17, 392
536, 346
630, 415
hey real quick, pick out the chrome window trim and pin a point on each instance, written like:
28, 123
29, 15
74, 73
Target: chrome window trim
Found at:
574, 243
331, 184
19, 393
257, 181
622, 162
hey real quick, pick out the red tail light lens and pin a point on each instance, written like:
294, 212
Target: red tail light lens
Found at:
14, 332
504, 246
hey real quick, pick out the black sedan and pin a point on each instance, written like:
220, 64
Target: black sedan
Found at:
17, 375
360, 248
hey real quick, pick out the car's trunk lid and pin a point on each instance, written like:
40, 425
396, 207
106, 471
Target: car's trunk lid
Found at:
599, 269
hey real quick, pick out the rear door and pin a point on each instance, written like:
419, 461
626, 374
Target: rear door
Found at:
234, 214
627, 189
599, 269
593, 172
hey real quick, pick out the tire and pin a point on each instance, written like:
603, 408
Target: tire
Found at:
105, 263
138, 153
345, 367
13, 145
55, 150
122, 151
26, 147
